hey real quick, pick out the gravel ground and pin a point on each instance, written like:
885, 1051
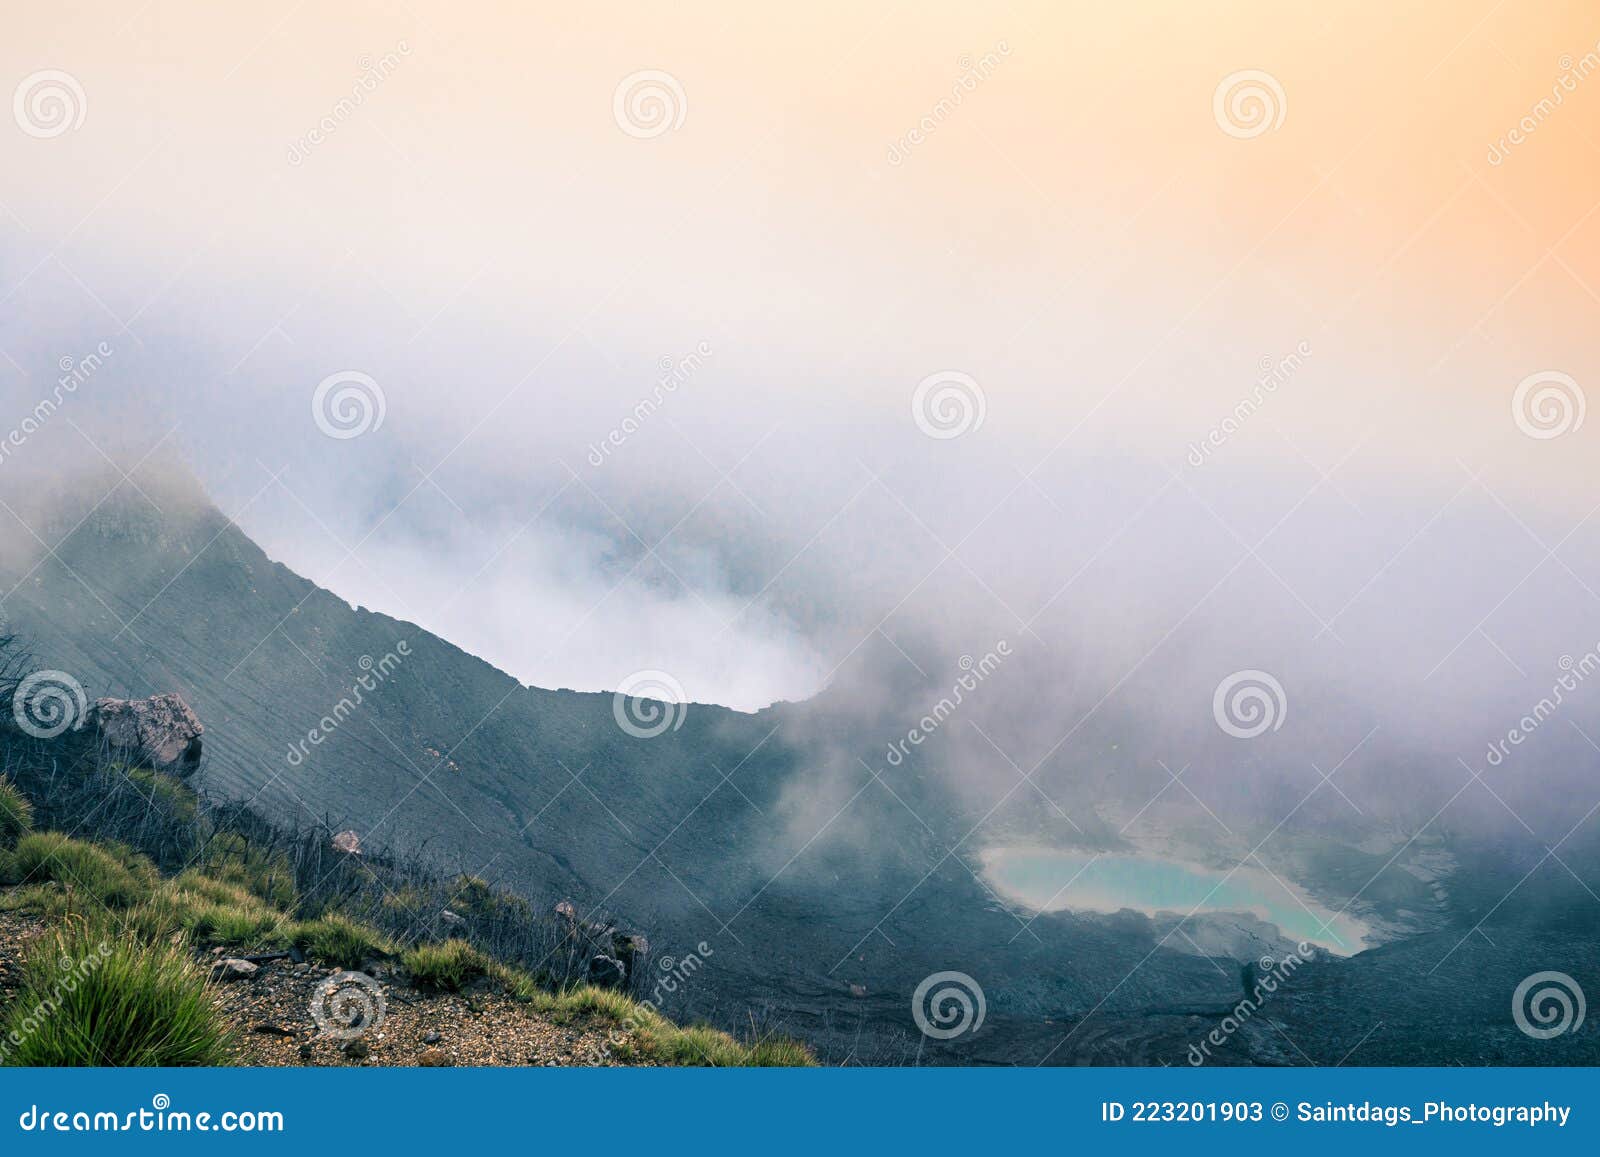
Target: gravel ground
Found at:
272, 1013
15, 931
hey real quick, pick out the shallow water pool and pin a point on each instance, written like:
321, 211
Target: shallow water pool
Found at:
1050, 880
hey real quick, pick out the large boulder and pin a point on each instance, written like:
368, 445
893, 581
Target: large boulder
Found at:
161, 731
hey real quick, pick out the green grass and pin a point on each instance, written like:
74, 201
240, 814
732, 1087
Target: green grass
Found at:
163, 791
16, 813
90, 996
446, 967
139, 996
191, 906
114, 875
158, 920
214, 912
47, 900
205, 888
647, 1037
340, 941
706, 1046
231, 859
477, 899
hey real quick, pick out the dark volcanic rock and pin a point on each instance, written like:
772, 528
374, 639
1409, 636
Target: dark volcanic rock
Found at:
607, 972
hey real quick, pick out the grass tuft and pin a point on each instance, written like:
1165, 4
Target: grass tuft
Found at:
16, 813
340, 941
91, 997
268, 875
647, 1037
447, 967
172, 796
121, 978
111, 873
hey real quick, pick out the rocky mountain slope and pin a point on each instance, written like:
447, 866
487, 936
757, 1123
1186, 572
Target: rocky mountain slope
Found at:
317, 710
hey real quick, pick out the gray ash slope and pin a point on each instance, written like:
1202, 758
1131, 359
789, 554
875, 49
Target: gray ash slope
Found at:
688, 833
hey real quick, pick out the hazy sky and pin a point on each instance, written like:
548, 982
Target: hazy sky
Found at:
1248, 370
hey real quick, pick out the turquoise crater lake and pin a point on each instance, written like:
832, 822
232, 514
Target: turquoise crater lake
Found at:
1051, 880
